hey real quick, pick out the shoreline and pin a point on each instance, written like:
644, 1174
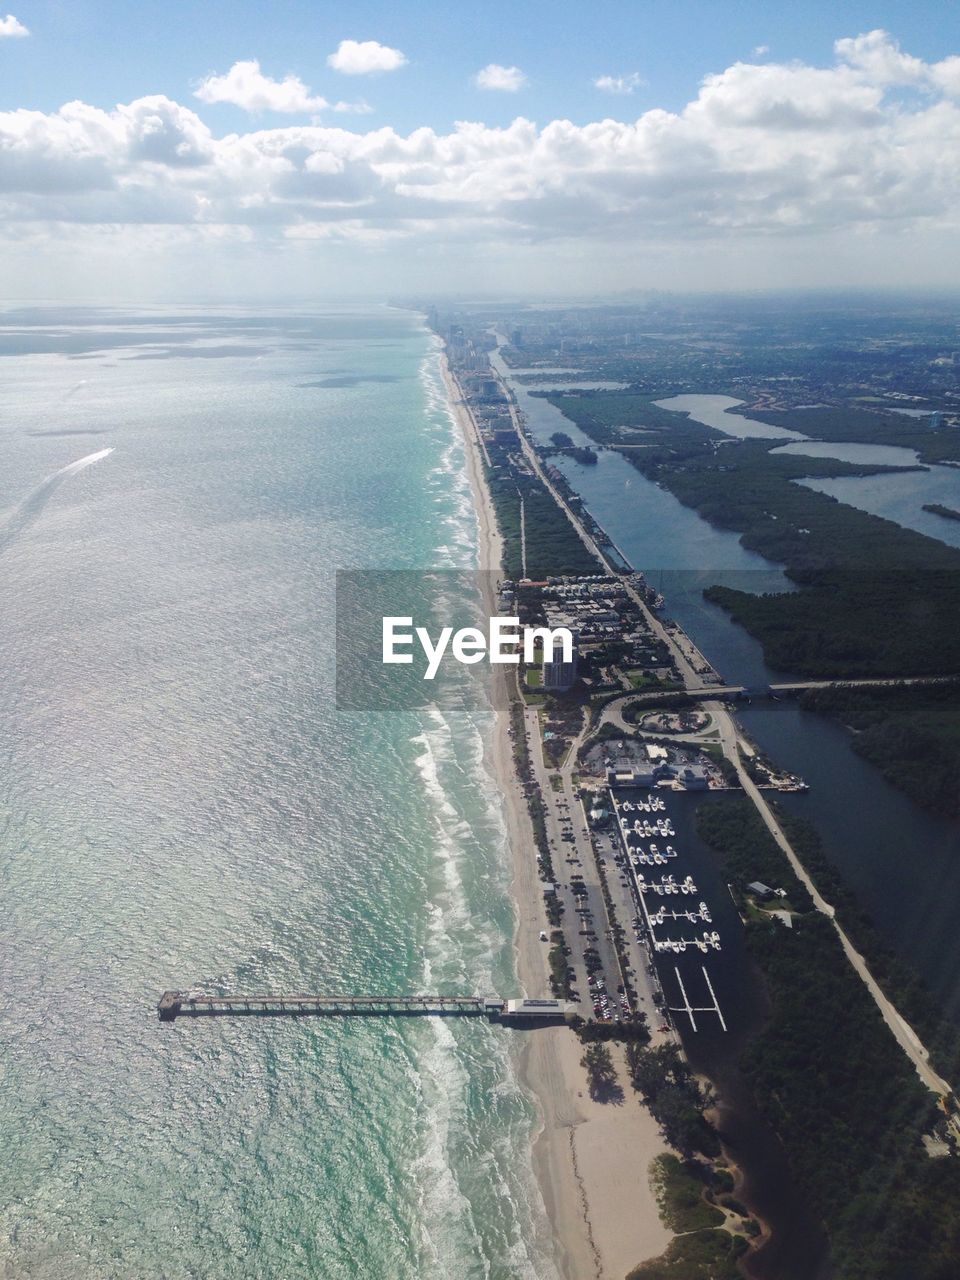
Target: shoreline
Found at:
591, 1159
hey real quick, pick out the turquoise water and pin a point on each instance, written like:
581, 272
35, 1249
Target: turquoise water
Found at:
181, 804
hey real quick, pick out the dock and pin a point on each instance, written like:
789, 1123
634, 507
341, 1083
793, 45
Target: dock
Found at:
690, 1010
519, 1012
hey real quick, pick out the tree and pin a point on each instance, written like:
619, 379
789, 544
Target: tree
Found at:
601, 1072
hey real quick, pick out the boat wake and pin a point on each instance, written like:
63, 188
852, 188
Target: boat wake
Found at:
33, 505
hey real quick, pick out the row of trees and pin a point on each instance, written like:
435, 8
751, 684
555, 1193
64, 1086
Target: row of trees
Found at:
663, 1078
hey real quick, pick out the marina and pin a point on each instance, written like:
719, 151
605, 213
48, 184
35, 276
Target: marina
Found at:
649, 924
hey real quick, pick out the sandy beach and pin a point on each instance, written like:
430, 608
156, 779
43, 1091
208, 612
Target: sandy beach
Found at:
592, 1159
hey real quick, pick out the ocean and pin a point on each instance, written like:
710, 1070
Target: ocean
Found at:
182, 804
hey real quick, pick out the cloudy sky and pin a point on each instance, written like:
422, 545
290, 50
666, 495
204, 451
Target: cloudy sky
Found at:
232, 150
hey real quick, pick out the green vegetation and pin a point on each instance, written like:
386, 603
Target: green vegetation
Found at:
856, 624
850, 1111
601, 1073
863, 426
679, 1186
938, 509
553, 545
838, 1090
704, 1255
584, 455
536, 809
902, 984
557, 957
911, 734
733, 827
632, 1028
641, 679
662, 1076
875, 599
581, 453
620, 417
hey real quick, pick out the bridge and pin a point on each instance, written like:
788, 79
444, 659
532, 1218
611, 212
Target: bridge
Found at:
877, 682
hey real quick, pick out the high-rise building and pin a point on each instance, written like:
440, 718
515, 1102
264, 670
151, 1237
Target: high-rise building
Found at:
559, 676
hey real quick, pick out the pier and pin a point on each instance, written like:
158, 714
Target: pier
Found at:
520, 1012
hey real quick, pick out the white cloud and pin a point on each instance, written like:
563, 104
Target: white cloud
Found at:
360, 108
10, 26
773, 154
760, 50
244, 85
619, 84
880, 58
361, 57
493, 76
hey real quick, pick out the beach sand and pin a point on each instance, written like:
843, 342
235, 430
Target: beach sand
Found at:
591, 1159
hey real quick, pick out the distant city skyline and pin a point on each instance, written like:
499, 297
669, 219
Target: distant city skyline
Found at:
227, 152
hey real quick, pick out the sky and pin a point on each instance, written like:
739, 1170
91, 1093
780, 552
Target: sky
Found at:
232, 150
